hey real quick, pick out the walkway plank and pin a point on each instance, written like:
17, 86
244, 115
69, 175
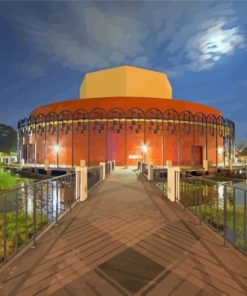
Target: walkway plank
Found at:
127, 239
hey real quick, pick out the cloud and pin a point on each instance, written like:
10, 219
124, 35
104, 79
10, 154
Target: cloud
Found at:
174, 36
32, 70
210, 45
142, 61
90, 37
199, 35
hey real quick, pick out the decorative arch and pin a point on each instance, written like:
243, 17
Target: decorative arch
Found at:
98, 113
153, 113
135, 113
51, 119
171, 116
155, 117
40, 120
211, 123
65, 115
115, 115
220, 126
80, 114
186, 120
200, 119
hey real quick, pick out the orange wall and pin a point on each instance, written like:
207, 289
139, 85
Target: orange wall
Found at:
116, 148
116, 141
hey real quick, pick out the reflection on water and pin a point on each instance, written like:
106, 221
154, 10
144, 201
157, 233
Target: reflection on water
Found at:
217, 203
30, 208
51, 197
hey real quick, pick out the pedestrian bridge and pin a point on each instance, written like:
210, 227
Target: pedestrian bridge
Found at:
126, 238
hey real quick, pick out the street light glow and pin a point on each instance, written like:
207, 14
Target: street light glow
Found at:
144, 148
220, 150
56, 148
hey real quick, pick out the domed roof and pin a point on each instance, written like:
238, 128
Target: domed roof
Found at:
125, 81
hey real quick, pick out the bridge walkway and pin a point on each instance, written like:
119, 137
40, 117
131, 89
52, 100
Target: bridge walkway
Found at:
127, 239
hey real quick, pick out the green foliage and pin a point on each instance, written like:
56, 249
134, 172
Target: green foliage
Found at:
7, 181
202, 201
24, 225
8, 139
243, 152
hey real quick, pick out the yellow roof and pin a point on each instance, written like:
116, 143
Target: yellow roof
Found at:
125, 81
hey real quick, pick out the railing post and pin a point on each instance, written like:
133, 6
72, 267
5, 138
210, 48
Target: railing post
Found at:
205, 166
173, 181
5, 227
81, 182
169, 163
150, 172
34, 216
110, 166
16, 220
225, 217
46, 164
103, 164
56, 199
245, 220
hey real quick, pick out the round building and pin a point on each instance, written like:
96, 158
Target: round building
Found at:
126, 114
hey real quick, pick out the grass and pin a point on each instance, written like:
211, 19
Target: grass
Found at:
17, 239
210, 214
7, 181
222, 178
201, 199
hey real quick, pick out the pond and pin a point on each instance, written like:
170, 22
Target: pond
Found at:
27, 209
216, 203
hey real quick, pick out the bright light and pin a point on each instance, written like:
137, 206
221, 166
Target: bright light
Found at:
220, 150
56, 148
144, 148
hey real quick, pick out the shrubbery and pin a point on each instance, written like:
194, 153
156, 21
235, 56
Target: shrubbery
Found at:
7, 181
23, 233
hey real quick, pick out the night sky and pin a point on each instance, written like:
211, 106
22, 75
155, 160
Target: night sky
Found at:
47, 47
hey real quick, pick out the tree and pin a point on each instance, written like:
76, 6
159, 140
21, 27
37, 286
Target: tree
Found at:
8, 139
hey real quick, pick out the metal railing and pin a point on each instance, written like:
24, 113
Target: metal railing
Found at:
94, 176
237, 172
28, 210
222, 206
144, 168
108, 166
160, 178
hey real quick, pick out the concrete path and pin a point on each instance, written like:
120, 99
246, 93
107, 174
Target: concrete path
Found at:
126, 239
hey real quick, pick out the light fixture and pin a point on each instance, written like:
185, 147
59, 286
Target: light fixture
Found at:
144, 148
56, 148
220, 150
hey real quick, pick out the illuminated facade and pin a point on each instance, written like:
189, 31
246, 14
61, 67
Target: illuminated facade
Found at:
126, 114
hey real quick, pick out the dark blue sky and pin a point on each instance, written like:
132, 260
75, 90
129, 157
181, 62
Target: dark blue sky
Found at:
47, 47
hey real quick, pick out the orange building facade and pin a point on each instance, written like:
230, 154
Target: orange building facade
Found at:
126, 114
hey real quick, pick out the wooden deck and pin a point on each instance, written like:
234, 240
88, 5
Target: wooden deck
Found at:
127, 239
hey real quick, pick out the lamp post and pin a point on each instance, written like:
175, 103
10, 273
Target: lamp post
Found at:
219, 153
56, 149
144, 151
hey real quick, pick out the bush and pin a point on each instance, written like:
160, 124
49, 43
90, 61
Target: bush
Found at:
23, 234
7, 181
